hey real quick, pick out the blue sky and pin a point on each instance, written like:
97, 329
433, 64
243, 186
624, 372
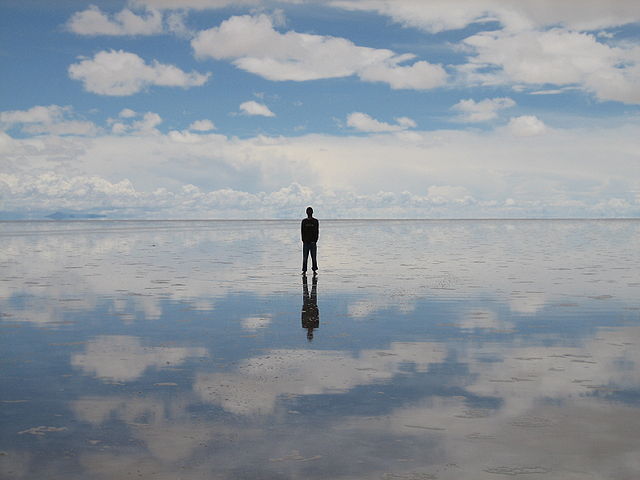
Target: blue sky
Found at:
362, 108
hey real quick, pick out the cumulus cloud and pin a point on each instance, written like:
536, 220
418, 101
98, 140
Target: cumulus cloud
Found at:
556, 56
121, 73
176, 24
442, 194
127, 113
482, 111
124, 358
202, 126
93, 21
541, 42
451, 173
254, 108
253, 44
438, 15
365, 123
419, 76
253, 324
131, 122
526, 126
147, 124
52, 119
245, 391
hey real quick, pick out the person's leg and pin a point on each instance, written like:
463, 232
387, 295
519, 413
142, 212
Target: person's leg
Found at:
314, 249
305, 255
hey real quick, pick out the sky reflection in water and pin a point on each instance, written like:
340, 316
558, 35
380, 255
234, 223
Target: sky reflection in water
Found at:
439, 349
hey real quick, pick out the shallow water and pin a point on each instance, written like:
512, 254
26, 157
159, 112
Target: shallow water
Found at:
424, 349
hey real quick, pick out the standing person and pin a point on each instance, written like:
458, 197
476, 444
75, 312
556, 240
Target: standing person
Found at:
310, 313
309, 229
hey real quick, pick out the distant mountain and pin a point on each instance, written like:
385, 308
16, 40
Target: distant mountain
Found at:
74, 216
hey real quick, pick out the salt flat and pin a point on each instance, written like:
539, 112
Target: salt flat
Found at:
447, 349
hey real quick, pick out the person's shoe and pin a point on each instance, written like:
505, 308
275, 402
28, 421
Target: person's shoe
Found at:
304, 272
315, 272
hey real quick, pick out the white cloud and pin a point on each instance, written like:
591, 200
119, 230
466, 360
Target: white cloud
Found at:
202, 126
558, 57
52, 119
541, 42
526, 126
127, 123
194, 4
93, 21
119, 128
392, 174
419, 76
124, 358
127, 113
253, 324
37, 114
247, 391
254, 108
365, 123
442, 194
253, 44
122, 73
440, 15
176, 24
148, 123
482, 111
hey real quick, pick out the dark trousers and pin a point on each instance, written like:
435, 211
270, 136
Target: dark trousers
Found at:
309, 247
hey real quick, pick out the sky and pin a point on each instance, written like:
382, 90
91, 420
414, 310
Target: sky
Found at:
179, 109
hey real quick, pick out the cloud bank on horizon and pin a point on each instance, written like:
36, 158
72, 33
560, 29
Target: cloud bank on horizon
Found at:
363, 108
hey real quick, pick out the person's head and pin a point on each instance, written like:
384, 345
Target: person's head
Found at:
309, 211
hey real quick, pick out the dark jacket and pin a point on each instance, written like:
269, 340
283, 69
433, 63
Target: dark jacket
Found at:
309, 229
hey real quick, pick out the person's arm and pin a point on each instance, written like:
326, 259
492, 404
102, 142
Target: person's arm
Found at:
302, 230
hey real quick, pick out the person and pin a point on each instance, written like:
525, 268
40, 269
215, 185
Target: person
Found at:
310, 314
309, 230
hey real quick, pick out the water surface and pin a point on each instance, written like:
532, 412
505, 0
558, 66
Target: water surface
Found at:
423, 350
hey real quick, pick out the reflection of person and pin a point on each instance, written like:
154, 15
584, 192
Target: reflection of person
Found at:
309, 230
310, 312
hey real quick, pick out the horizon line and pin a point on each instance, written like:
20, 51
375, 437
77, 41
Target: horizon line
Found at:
106, 219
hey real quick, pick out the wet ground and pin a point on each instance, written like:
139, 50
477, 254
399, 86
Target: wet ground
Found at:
423, 350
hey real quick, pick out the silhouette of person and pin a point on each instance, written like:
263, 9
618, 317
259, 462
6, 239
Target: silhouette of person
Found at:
310, 313
309, 230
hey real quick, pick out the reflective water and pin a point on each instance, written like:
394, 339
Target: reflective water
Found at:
423, 350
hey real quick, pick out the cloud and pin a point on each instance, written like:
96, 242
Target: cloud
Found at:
93, 21
202, 126
526, 126
556, 57
443, 194
482, 111
124, 358
176, 24
254, 108
253, 324
121, 73
438, 15
194, 4
308, 372
364, 123
253, 45
127, 113
131, 122
52, 119
506, 171
419, 76
147, 124
540, 42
